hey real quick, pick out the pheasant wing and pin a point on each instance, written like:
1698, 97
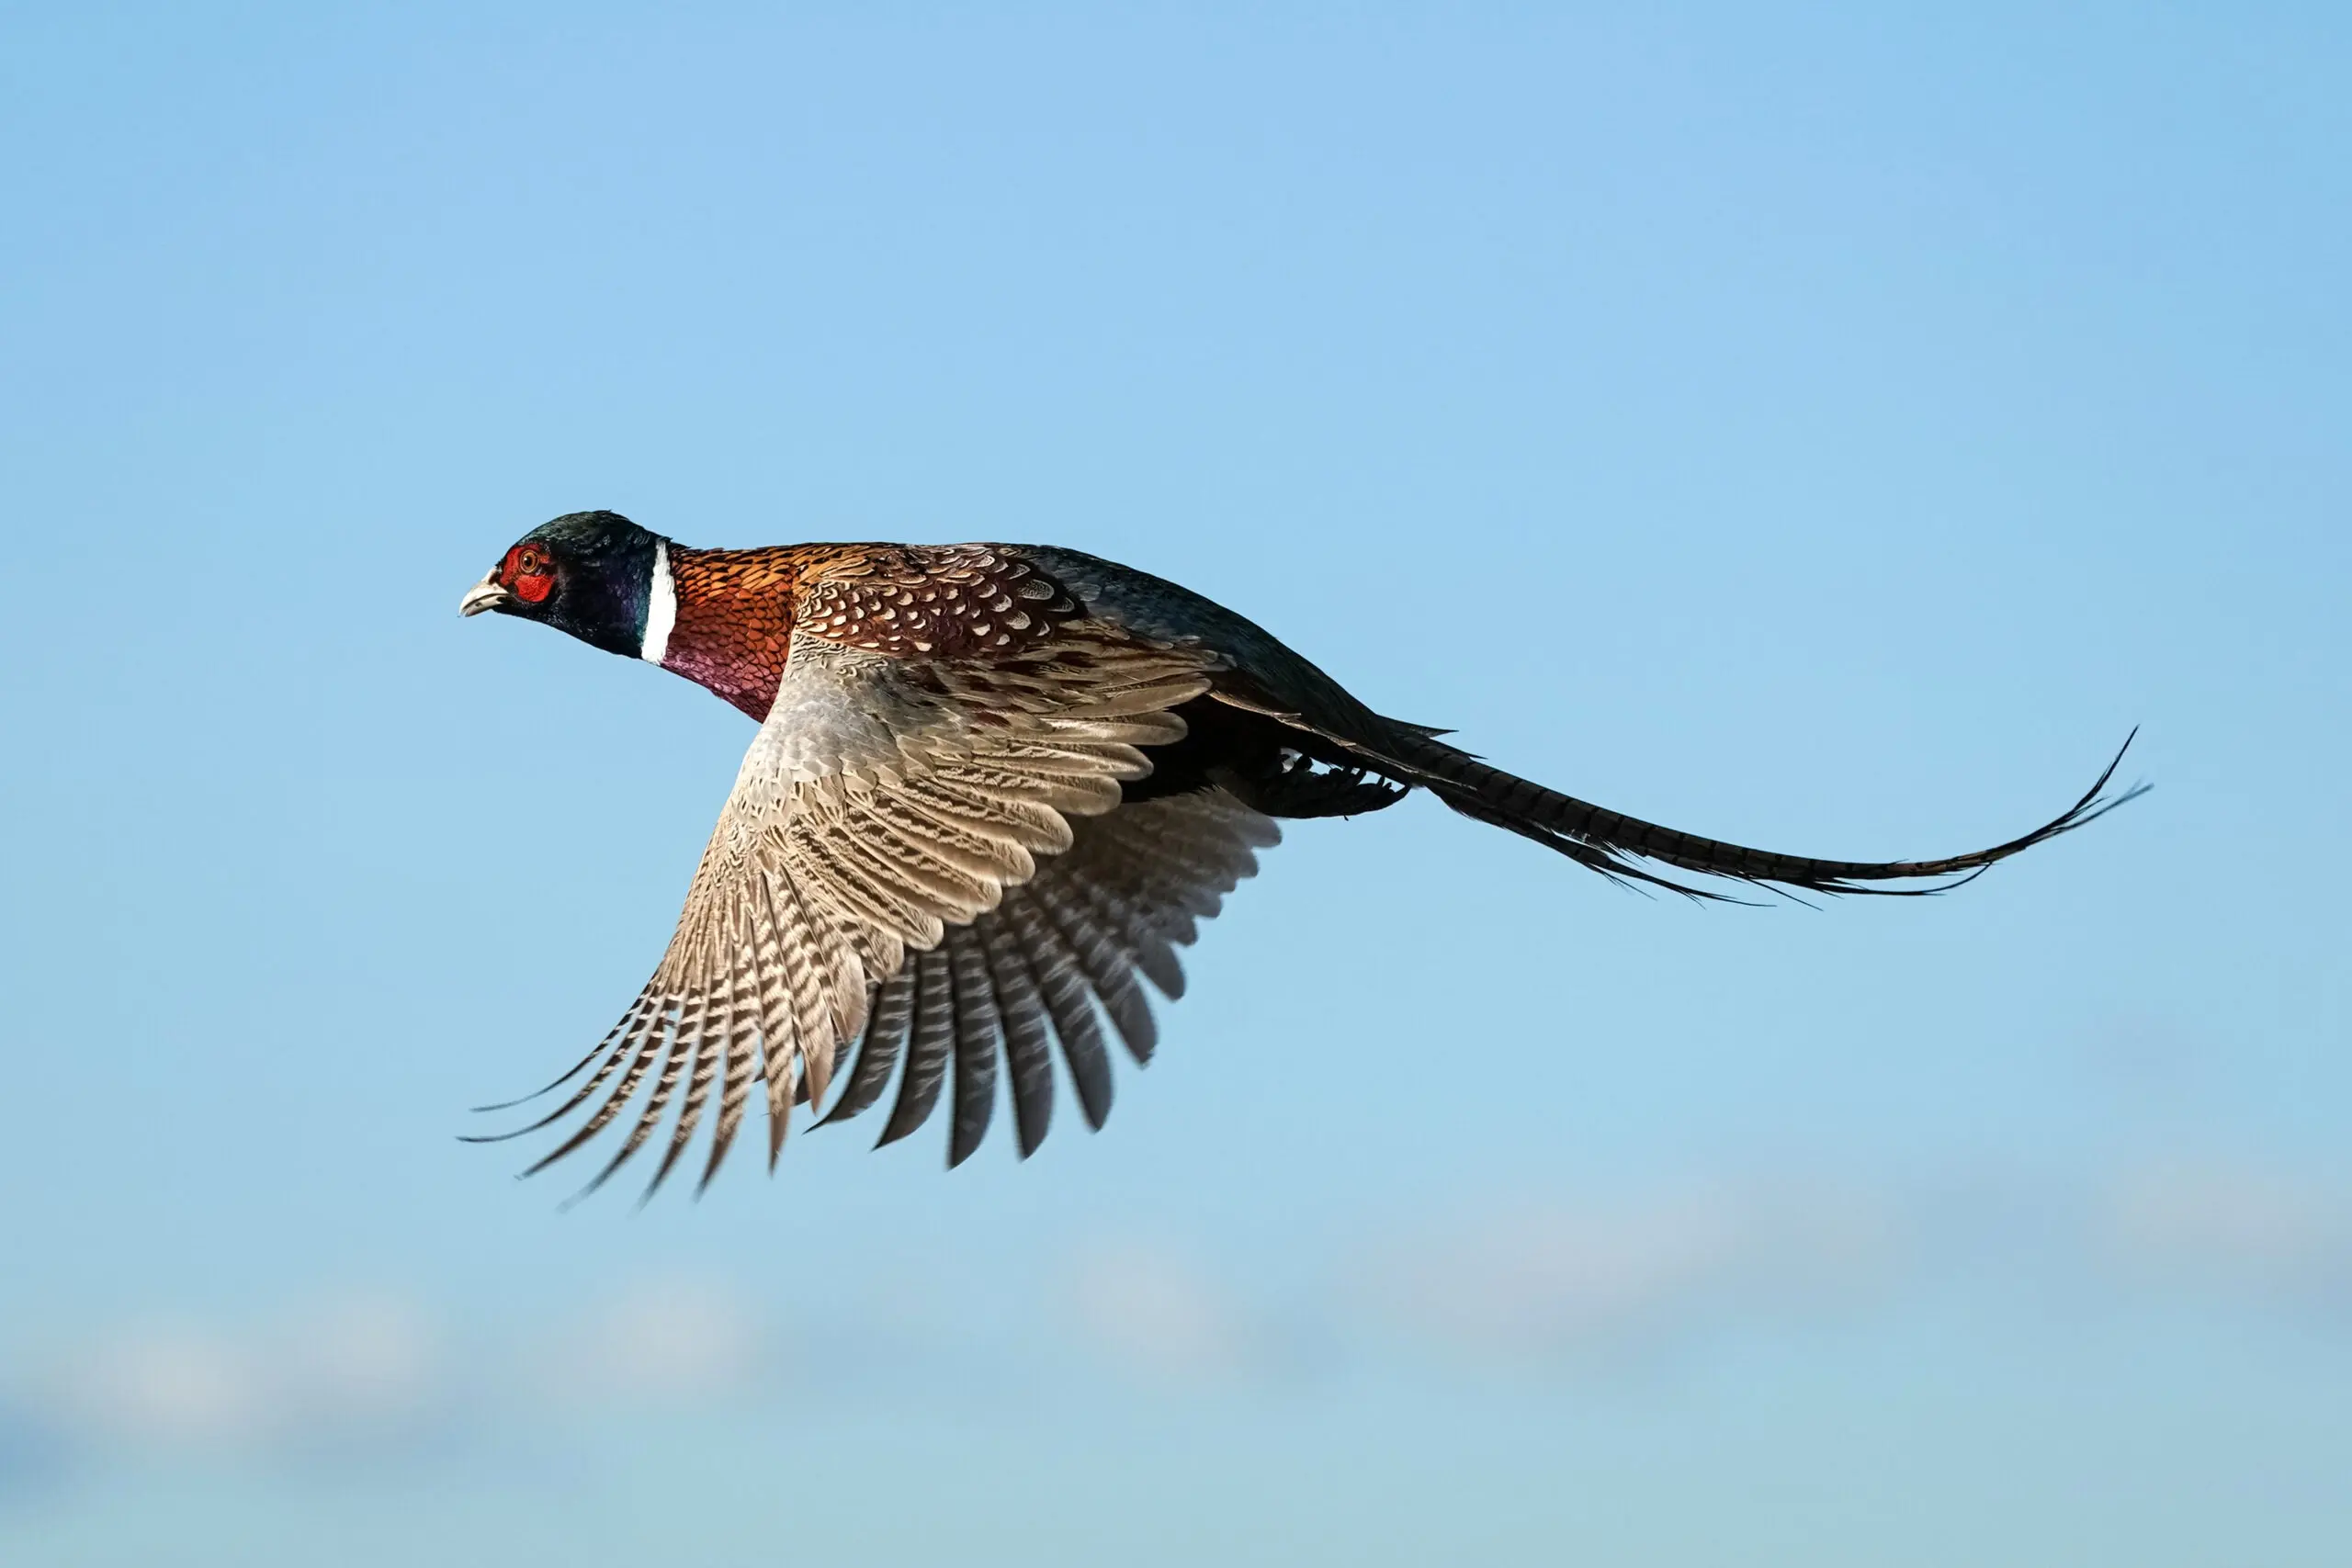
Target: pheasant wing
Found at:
1061, 954
898, 788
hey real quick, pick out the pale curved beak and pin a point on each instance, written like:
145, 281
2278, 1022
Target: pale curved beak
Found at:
484, 595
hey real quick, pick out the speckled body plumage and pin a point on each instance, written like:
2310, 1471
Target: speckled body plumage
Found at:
994, 787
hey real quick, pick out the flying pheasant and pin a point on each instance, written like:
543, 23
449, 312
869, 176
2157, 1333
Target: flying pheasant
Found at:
994, 784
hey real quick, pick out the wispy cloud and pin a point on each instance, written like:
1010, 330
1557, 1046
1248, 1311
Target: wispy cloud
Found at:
1642, 1272
1575, 1275
1579, 1280
2218, 1227
1148, 1308
657, 1342
368, 1371
359, 1368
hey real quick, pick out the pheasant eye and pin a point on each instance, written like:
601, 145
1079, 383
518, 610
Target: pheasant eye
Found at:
526, 576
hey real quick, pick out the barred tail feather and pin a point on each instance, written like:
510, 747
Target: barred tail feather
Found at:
1615, 844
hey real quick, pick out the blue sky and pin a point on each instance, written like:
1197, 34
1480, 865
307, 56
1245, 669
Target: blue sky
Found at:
1840, 428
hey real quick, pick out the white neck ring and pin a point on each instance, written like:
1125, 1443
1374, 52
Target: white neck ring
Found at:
660, 606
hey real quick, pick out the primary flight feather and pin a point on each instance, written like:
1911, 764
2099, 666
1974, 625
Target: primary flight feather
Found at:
994, 787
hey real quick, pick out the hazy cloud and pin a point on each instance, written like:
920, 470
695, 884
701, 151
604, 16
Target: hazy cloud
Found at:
359, 1368
1586, 1276
658, 1342
2217, 1227
1148, 1309
1573, 1276
367, 1370
1582, 1278
173, 1383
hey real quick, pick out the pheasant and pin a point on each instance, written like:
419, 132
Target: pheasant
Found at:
994, 788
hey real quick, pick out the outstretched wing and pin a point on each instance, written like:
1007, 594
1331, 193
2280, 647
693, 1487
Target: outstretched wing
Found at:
895, 793
1061, 952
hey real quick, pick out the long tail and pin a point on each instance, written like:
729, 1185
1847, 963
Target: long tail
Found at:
1612, 843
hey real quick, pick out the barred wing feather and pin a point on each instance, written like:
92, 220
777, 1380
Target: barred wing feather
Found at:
886, 806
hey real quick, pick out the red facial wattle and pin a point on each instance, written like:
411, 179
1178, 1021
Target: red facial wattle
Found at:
525, 574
